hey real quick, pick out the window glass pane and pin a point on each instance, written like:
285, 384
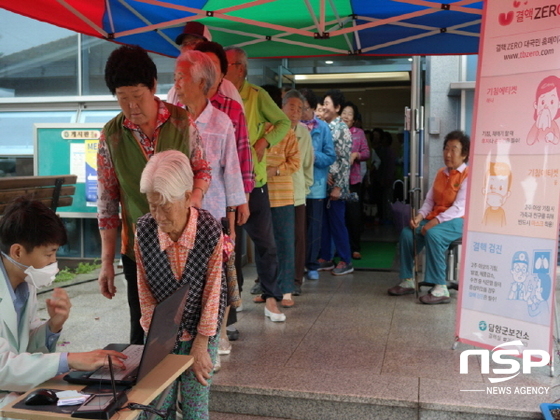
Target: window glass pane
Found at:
73, 247
472, 62
7, 167
16, 166
95, 53
97, 116
469, 108
17, 129
166, 68
41, 60
92, 240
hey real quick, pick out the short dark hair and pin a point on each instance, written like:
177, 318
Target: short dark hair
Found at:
310, 97
275, 93
30, 223
130, 65
215, 48
378, 131
336, 96
387, 138
464, 139
357, 115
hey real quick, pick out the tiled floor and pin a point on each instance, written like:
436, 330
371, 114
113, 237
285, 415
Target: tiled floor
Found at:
347, 340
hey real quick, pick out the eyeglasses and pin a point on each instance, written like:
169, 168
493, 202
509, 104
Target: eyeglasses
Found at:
234, 64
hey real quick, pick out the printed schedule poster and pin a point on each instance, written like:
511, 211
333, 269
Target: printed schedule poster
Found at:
508, 269
71, 148
91, 172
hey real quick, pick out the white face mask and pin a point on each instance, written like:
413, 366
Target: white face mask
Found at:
42, 277
38, 277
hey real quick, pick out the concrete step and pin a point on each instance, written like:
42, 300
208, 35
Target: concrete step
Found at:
303, 406
247, 403
215, 415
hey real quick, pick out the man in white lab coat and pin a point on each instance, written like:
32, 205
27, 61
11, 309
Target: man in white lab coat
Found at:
30, 235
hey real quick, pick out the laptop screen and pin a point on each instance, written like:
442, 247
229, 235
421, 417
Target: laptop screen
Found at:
162, 334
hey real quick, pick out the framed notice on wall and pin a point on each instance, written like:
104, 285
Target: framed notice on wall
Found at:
62, 149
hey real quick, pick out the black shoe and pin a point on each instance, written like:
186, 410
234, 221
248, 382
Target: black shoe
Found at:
232, 335
256, 289
297, 290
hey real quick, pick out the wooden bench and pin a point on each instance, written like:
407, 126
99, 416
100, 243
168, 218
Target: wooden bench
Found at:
54, 191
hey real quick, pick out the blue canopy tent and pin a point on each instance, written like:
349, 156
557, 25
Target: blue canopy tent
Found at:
275, 28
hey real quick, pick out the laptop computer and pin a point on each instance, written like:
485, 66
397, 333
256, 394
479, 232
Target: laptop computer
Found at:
102, 405
160, 341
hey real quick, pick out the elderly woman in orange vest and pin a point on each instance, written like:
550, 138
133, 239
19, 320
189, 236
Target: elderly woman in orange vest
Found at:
438, 223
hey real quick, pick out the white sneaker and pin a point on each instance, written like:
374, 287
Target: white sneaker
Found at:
218, 364
239, 308
224, 347
274, 317
407, 284
440, 290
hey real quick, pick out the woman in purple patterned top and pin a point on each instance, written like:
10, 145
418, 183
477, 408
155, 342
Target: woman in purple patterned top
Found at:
360, 153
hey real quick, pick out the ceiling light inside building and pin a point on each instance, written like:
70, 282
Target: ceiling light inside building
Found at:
329, 62
393, 76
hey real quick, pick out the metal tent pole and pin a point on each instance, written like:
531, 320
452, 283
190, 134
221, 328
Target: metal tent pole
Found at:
415, 186
414, 127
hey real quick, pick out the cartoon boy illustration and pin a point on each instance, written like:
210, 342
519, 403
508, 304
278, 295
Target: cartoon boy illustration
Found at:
534, 294
519, 272
547, 109
538, 286
497, 190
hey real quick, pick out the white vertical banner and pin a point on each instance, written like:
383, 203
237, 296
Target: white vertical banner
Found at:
508, 269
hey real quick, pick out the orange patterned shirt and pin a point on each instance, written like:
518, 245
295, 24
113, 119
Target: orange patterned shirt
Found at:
284, 156
177, 254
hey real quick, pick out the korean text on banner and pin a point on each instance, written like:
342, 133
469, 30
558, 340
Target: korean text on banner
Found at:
510, 245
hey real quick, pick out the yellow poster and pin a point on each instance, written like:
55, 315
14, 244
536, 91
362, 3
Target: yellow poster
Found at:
91, 172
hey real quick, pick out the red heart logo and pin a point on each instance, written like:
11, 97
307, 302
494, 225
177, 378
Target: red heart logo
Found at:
516, 4
504, 19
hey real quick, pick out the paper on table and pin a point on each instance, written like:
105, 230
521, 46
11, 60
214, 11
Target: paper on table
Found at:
70, 398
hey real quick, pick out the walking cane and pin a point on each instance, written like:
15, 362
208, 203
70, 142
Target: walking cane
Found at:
415, 255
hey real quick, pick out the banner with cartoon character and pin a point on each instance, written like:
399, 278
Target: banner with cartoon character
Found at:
508, 268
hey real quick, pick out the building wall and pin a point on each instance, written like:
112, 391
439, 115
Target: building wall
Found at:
445, 109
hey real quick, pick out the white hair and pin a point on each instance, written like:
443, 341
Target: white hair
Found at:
202, 68
292, 94
168, 173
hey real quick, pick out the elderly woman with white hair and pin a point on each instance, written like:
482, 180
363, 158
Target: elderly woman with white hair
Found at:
178, 244
195, 75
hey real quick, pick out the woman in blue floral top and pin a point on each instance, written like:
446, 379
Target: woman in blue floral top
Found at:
334, 225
